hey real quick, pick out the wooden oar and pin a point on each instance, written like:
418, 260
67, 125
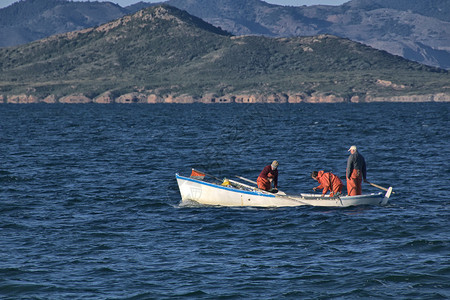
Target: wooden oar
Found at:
248, 180
379, 186
243, 184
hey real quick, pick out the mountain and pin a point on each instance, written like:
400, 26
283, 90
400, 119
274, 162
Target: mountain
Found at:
415, 29
438, 9
163, 54
30, 20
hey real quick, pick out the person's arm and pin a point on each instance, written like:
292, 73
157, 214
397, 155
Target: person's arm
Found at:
275, 179
318, 187
325, 180
349, 166
364, 171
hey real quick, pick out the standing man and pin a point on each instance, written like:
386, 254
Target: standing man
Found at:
356, 172
268, 176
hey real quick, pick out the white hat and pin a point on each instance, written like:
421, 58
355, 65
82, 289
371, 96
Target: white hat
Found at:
352, 148
275, 164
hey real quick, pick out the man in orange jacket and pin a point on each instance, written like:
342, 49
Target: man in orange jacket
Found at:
328, 182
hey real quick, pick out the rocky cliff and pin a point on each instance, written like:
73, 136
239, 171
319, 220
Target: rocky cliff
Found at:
151, 98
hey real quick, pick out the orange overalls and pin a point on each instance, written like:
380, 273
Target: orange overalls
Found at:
354, 183
329, 182
356, 171
263, 183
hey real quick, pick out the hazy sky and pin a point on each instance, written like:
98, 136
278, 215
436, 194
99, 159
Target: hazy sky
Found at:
123, 3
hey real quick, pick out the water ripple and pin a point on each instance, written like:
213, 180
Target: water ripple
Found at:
90, 207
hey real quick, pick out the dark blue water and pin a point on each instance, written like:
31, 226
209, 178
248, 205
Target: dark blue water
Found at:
89, 205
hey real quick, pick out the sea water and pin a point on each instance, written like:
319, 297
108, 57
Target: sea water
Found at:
90, 208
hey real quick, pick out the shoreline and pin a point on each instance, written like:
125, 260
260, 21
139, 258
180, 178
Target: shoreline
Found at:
150, 98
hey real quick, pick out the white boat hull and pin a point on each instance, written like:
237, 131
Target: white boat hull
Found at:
214, 194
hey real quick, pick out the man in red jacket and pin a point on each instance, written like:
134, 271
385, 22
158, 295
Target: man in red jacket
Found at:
328, 182
268, 176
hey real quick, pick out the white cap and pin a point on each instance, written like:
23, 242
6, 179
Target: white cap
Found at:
352, 148
274, 164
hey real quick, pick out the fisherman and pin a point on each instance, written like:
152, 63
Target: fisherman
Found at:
268, 176
356, 171
328, 182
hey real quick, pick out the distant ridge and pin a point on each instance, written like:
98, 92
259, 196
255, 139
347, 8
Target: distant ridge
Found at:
418, 30
163, 54
30, 20
414, 29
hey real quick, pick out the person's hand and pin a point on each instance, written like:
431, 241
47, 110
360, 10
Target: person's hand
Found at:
314, 189
365, 180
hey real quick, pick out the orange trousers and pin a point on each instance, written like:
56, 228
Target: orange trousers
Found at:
354, 183
336, 190
263, 184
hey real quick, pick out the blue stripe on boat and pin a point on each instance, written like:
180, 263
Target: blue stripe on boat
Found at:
224, 187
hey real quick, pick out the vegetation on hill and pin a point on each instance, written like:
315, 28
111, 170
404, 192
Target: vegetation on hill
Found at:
167, 51
414, 29
30, 20
439, 9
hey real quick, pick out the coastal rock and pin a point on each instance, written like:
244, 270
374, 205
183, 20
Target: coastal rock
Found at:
247, 98
296, 98
213, 98
225, 99
441, 97
104, 98
22, 99
169, 99
49, 99
180, 99
75, 99
355, 99
277, 98
321, 98
153, 98
132, 98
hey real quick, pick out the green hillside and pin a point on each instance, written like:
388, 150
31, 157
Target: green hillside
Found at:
165, 51
439, 9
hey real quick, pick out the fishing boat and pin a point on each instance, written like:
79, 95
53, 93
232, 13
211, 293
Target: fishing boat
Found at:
228, 192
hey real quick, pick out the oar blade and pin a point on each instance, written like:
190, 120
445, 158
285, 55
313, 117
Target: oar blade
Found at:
386, 196
197, 174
